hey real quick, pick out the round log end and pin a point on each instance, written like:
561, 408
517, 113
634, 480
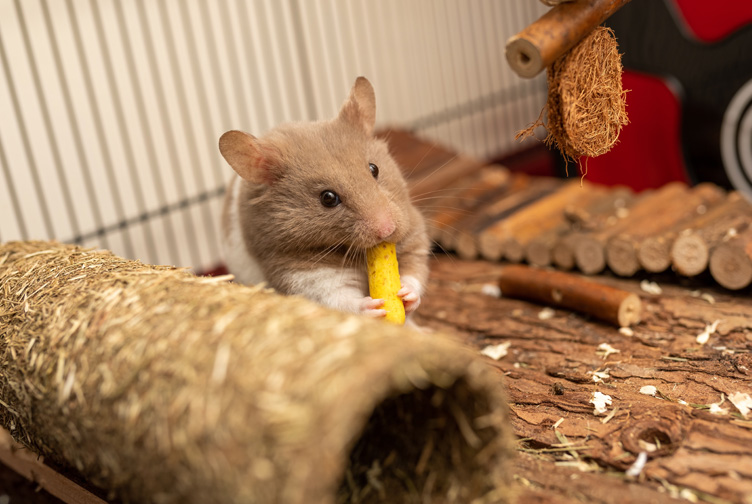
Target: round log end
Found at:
689, 254
562, 255
514, 251
490, 246
731, 266
630, 311
589, 256
466, 247
524, 57
448, 238
621, 256
538, 253
654, 255
434, 232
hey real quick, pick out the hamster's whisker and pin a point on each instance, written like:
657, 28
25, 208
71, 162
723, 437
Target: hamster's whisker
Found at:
421, 160
327, 251
446, 252
437, 193
437, 169
445, 207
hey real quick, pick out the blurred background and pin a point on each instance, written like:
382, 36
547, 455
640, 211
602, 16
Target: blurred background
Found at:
110, 110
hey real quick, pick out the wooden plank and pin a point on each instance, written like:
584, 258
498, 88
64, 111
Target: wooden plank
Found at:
32, 467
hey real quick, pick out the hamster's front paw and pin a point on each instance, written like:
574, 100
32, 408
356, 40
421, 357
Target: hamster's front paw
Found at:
410, 298
372, 307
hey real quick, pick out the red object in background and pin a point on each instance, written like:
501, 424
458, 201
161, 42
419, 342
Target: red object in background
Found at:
648, 153
713, 21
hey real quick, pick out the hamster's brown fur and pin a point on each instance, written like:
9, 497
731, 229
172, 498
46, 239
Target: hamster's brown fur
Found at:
276, 228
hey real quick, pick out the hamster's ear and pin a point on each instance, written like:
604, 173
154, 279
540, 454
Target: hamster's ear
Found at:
359, 109
250, 158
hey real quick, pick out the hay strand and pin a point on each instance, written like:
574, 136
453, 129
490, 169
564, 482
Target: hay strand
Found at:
159, 386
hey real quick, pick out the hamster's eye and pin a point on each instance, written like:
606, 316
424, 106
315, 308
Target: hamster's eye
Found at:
374, 170
329, 199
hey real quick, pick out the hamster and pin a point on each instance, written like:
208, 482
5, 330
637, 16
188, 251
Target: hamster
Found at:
308, 199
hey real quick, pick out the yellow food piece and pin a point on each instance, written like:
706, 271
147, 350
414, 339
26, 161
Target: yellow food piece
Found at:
384, 280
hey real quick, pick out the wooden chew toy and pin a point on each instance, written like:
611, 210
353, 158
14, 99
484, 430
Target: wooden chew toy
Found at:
522, 191
622, 250
654, 251
612, 305
384, 280
459, 203
555, 33
691, 249
499, 240
581, 219
731, 260
590, 250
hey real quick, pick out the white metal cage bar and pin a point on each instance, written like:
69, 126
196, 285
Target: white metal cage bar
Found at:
111, 109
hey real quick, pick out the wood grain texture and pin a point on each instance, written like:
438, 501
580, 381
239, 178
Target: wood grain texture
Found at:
549, 373
555, 288
690, 251
555, 33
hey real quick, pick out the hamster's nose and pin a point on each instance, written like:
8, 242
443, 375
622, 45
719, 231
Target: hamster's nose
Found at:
384, 225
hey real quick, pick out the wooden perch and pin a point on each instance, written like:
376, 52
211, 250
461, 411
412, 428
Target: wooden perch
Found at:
555, 33
731, 260
522, 192
590, 250
588, 219
690, 252
456, 205
539, 248
654, 252
622, 250
499, 240
612, 305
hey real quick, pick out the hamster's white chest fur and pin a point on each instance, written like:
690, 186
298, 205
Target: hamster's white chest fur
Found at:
238, 259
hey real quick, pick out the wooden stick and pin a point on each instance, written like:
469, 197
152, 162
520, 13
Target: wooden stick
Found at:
615, 306
690, 251
538, 248
731, 260
31, 466
622, 250
546, 215
590, 250
462, 202
523, 191
586, 220
654, 252
468, 223
555, 33
495, 240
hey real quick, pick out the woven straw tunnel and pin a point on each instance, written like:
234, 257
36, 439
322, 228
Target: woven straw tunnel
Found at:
160, 386
586, 107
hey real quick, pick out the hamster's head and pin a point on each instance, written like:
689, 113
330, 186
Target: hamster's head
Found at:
324, 184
